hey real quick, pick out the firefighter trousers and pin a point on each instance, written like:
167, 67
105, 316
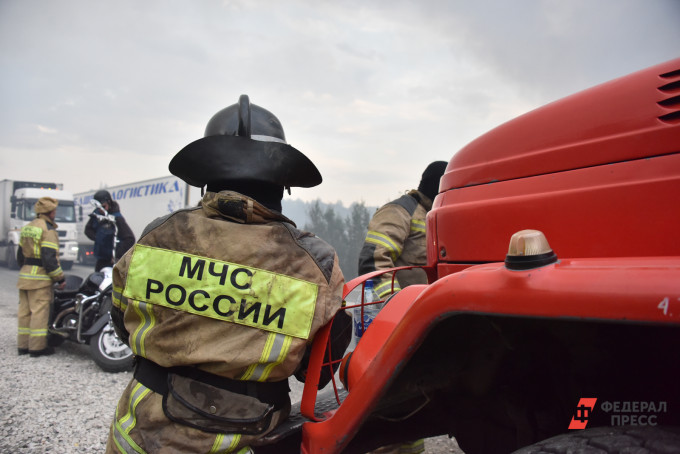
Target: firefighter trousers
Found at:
140, 426
33, 316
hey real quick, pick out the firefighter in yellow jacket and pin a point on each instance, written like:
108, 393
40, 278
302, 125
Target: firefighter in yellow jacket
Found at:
396, 234
38, 256
220, 302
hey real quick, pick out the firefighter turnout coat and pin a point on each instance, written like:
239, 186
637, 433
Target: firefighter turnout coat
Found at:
396, 237
232, 291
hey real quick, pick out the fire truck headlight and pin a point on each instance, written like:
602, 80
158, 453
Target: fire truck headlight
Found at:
529, 249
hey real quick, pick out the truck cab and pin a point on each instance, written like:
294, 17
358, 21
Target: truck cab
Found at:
22, 212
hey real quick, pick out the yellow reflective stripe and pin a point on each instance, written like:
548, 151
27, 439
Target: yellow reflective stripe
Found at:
128, 422
417, 225
24, 331
38, 332
385, 241
118, 300
50, 245
124, 443
225, 443
56, 272
148, 321
274, 353
34, 276
385, 289
221, 290
123, 426
415, 447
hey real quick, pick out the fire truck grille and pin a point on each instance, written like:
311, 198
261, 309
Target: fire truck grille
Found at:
671, 90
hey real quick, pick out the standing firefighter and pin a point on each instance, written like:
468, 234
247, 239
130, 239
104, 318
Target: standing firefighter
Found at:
38, 256
396, 234
221, 301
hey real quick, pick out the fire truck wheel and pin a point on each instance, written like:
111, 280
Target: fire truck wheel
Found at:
648, 439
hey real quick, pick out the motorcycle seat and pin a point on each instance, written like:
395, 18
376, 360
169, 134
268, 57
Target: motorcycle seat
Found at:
72, 286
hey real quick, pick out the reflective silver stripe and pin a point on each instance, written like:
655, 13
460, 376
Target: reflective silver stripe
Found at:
39, 332
148, 321
130, 419
384, 241
225, 443
266, 138
274, 352
124, 443
417, 225
122, 427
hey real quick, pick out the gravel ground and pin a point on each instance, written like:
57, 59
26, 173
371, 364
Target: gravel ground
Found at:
64, 403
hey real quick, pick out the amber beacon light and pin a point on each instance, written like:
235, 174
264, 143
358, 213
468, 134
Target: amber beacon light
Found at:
529, 249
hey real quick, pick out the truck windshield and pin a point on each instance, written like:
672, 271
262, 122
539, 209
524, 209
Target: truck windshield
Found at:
65, 211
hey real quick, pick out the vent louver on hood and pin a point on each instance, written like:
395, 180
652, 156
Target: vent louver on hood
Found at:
671, 90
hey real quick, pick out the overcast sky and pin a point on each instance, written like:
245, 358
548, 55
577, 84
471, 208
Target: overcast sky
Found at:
106, 92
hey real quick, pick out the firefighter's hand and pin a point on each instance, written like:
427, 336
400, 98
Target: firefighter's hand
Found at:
61, 285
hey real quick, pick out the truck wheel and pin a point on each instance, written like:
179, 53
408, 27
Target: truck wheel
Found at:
66, 265
12, 257
648, 439
109, 352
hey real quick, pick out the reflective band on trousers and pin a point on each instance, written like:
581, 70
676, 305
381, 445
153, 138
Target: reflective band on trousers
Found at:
224, 443
221, 290
123, 426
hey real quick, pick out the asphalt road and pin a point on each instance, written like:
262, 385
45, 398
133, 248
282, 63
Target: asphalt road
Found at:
83, 374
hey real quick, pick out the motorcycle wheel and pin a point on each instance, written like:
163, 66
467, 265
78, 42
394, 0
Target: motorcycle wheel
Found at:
109, 352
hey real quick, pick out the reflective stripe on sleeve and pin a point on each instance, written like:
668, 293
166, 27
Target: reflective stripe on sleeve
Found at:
119, 300
385, 288
50, 245
221, 290
385, 241
417, 225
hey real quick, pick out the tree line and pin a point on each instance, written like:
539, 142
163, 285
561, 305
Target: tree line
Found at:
346, 234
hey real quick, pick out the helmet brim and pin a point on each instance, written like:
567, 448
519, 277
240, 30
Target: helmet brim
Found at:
222, 158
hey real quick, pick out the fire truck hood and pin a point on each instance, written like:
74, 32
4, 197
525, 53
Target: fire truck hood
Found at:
633, 117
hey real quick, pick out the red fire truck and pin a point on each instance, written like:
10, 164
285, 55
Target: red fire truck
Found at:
553, 302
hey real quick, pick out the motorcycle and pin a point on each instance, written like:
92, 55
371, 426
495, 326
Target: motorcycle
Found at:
81, 313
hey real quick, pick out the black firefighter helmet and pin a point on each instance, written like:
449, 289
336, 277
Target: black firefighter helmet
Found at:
244, 143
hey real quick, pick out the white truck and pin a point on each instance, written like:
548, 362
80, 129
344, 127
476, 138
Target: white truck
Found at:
16, 204
140, 203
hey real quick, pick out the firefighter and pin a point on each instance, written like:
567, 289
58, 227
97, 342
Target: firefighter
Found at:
396, 234
38, 256
220, 302
396, 237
